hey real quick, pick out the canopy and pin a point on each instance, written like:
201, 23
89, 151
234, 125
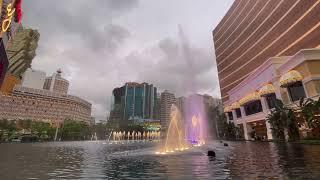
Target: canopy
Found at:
267, 89
235, 105
249, 98
290, 78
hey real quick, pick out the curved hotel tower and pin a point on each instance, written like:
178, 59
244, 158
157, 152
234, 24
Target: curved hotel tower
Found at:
267, 49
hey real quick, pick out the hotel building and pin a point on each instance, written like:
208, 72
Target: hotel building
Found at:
267, 49
39, 104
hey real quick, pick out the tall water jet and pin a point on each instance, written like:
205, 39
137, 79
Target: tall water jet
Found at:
174, 139
196, 120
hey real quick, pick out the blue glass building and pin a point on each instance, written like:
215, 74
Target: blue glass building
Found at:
136, 101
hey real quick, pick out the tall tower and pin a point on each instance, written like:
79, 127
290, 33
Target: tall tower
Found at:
56, 83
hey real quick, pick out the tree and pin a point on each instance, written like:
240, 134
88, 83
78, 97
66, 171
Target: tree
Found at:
283, 122
75, 130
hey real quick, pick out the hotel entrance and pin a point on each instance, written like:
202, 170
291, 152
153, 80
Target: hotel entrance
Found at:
258, 130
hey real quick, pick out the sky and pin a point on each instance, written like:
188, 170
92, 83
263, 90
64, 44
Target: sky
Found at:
101, 44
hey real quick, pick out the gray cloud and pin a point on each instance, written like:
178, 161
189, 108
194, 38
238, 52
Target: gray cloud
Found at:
101, 44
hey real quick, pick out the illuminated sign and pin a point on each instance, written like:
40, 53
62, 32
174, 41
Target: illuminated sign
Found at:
7, 21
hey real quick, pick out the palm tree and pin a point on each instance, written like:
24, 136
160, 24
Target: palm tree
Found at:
309, 111
283, 122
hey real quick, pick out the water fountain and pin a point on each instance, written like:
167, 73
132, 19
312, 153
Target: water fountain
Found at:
177, 139
174, 140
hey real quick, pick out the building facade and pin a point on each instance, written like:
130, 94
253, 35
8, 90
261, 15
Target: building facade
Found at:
133, 101
266, 50
43, 105
253, 31
167, 100
39, 104
9, 21
56, 83
21, 50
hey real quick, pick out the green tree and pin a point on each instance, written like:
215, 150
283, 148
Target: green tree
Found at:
75, 130
283, 122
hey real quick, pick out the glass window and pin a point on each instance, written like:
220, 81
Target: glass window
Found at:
271, 100
296, 91
253, 107
238, 113
230, 115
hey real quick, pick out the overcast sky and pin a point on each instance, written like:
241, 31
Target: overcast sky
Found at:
101, 44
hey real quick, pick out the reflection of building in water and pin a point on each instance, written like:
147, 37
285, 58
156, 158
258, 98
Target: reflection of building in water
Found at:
42, 105
267, 50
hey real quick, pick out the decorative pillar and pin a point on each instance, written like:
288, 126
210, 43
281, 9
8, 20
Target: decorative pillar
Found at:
234, 115
264, 104
277, 87
226, 114
245, 131
243, 112
266, 111
269, 131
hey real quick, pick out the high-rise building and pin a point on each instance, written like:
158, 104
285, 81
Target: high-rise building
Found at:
181, 104
167, 100
133, 100
267, 50
33, 79
21, 50
56, 83
7, 31
251, 32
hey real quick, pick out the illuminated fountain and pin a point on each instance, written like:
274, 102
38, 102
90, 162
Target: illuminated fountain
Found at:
134, 136
196, 131
174, 140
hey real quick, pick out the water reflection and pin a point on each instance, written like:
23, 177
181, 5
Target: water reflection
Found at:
99, 160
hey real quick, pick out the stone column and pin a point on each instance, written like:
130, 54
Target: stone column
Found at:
226, 114
243, 112
266, 111
264, 104
245, 131
269, 131
234, 115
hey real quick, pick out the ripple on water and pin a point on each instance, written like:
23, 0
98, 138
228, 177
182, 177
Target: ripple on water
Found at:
100, 160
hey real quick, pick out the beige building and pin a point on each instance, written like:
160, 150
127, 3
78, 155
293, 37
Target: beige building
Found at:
43, 105
287, 78
166, 101
56, 83
53, 105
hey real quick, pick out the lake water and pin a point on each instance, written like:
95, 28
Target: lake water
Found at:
101, 160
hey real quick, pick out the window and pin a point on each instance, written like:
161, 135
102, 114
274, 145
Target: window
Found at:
238, 113
271, 100
296, 91
230, 115
253, 107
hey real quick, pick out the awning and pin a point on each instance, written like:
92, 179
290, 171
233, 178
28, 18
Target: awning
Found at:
267, 89
235, 105
249, 98
290, 78
227, 109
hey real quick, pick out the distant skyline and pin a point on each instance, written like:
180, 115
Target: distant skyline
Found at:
100, 45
